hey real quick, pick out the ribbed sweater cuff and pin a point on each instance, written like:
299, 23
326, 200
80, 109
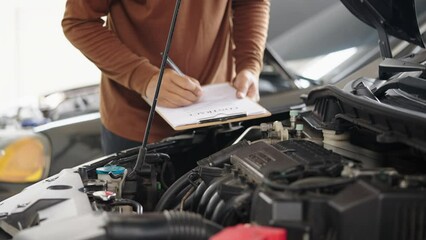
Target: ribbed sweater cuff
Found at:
141, 77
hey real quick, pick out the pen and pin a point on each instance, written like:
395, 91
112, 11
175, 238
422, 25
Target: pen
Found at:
174, 66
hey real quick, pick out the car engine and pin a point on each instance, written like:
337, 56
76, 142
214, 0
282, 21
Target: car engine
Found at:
319, 174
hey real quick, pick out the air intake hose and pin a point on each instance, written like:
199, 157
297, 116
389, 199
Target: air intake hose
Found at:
165, 225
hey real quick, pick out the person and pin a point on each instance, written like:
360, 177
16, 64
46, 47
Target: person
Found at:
214, 41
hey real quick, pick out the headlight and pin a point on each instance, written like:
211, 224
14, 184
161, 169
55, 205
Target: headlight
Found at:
24, 158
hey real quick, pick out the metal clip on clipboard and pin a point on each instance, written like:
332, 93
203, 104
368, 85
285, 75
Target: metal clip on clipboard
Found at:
222, 118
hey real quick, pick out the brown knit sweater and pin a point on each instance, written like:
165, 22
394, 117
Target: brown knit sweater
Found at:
213, 40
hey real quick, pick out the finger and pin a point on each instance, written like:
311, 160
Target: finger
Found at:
194, 81
242, 86
188, 95
176, 99
253, 93
198, 90
188, 84
164, 102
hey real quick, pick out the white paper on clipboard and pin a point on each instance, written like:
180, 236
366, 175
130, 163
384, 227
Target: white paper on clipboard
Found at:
218, 102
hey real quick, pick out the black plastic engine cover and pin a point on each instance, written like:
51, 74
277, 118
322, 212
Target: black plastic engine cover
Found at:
362, 210
260, 159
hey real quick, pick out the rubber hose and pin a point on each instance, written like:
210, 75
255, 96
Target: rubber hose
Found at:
227, 215
181, 194
211, 206
197, 195
169, 196
156, 226
209, 193
219, 212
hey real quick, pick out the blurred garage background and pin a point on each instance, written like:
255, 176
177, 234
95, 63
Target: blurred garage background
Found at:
35, 56
36, 59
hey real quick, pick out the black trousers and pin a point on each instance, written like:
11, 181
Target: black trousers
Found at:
112, 143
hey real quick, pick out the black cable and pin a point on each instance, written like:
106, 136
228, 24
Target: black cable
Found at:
185, 197
182, 194
188, 204
169, 196
167, 165
333, 182
123, 160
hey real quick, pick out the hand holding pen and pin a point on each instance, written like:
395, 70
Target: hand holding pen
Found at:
177, 89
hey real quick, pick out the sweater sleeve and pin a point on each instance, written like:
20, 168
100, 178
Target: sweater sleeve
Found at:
250, 24
83, 26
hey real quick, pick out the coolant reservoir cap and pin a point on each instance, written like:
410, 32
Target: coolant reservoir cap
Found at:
294, 113
114, 169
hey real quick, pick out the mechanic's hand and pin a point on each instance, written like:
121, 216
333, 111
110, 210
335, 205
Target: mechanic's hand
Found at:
247, 84
176, 91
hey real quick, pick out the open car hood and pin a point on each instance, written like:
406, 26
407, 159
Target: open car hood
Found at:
397, 17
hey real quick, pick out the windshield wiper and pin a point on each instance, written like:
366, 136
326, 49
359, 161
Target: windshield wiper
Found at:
408, 84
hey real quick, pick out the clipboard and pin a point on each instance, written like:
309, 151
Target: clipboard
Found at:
218, 105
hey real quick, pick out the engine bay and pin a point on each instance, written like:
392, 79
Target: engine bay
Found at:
318, 174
